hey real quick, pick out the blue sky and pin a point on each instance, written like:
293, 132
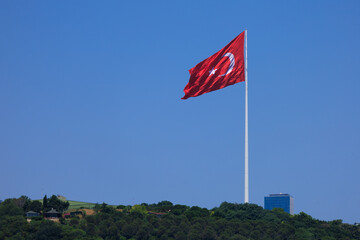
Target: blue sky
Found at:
90, 103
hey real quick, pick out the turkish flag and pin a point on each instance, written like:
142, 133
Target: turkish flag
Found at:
224, 68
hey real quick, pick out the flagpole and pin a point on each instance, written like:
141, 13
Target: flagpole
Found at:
246, 127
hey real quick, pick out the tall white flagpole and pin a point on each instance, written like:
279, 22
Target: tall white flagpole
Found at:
246, 127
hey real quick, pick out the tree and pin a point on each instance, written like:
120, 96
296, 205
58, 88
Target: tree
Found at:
195, 211
165, 203
74, 221
304, 220
23, 202
45, 203
240, 211
113, 232
56, 203
17, 236
35, 206
106, 208
49, 231
139, 209
163, 206
91, 229
11, 225
209, 234
195, 232
70, 233
129, 230
303, 234
142, 234
179, 209
9, 208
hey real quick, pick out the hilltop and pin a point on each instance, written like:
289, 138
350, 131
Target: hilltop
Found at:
164, 220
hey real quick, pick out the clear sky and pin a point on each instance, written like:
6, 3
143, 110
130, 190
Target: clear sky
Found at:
90, 103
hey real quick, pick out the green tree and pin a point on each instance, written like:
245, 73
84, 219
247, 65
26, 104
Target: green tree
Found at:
45, 204
97, 207
238, 237
142, 234
91, 229
35, 206
23, 202
303, 234
70, 233
164, 203
106, 208
12, 225
209, 234
239, 211
303, 220
130, 230
55, 203
140, 209
9, 208
113, 232
49, 231
180, 236
74, 221
195, 232
17, 236
163, 206
196, 212
179, 209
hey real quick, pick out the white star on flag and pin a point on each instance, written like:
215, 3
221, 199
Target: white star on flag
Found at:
212, 71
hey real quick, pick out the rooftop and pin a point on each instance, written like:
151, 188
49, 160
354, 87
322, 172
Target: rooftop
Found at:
279, 195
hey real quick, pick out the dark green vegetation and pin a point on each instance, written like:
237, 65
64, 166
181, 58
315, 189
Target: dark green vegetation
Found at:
54, 203
167, 221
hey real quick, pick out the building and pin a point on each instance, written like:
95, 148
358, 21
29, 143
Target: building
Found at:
280, 200
52, 214
32, 214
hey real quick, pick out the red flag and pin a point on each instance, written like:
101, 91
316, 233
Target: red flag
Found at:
224, 68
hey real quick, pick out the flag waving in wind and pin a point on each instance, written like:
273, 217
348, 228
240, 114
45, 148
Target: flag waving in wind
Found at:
224, 68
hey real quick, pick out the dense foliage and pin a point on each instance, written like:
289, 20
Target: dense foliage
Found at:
167, 221
54, 203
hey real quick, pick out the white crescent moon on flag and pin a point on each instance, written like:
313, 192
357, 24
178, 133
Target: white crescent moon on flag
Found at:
232, 63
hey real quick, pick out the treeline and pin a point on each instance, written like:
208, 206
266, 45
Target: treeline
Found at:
165, 220
24, 204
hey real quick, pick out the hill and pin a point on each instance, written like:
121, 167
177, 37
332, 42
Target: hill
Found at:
165, 220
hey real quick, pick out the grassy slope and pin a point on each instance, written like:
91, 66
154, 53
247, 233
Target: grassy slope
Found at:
78, 204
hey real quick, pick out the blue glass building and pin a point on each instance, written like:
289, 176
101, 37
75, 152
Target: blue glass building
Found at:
281, 200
